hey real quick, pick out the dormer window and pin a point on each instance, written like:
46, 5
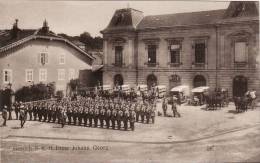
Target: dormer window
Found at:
240, 7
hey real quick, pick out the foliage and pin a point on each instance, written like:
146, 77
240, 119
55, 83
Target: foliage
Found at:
59, 95
35, 92
74, 84
6, 96
92, 43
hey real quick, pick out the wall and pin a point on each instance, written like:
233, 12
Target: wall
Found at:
26, 57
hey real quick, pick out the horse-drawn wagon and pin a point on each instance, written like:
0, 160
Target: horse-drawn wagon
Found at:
199, 94
160, 91
181, 92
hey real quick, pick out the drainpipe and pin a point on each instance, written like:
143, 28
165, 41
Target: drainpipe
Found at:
217, 55
136, 57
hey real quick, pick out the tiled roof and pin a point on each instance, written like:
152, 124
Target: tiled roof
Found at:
124, 19
7, 41
181, 19
6, 37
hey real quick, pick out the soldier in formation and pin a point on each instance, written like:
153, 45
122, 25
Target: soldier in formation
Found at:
112, 113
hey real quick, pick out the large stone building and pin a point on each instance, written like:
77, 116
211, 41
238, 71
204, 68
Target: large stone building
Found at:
33, 56
218, 48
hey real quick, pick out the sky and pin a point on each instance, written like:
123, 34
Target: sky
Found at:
76, 17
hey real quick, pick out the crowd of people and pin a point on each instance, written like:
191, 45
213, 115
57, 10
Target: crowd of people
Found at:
114, 113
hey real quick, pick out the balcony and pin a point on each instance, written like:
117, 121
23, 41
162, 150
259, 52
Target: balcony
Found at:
199, 65
152, 64
240, 64
174, 64
118, 64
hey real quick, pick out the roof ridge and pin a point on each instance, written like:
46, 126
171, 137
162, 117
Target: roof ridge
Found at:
186, 12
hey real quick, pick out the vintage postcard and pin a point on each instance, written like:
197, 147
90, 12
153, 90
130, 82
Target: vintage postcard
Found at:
129, 81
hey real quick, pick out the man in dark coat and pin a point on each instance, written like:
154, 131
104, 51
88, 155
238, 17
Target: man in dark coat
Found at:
4, 115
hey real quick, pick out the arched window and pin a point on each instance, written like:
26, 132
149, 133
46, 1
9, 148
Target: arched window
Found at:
174, 81
239, 86
118, 80
151, 81
198, 81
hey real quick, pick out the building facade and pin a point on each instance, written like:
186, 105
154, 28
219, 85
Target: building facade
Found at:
217, 48
39, 56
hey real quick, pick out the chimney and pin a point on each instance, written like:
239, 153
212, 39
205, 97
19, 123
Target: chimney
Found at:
15, 30
45, 27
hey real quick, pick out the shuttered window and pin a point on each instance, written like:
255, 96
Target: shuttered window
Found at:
7, 76
43, 58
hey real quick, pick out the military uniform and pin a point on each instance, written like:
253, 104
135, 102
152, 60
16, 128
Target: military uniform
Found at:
164, 106
138, 109
30, 111
4, 115
132, 120
49, 113
108, 117
16, 109
125, 119
142, 112
113, 118
96, 115
91, 116
69, 115
147, 115
119, 119
35, 112
102, 117
85, 116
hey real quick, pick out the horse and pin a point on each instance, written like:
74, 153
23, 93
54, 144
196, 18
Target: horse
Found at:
23, 117
241, 103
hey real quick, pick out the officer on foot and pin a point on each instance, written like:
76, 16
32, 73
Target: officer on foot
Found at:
125, 119
113, 118
4, 115
108, 117
132, 120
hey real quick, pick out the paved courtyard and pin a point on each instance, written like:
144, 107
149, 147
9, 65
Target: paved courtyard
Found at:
198, 136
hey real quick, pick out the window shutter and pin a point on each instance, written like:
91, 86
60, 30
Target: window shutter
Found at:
39, 58
46, 58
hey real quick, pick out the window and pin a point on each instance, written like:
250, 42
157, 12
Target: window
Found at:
43, 58
118, 55
240, 52
7, 76
42, 74
62, 59
175, 53
61, 74
71, 73
151, 54
28, 75
200, 52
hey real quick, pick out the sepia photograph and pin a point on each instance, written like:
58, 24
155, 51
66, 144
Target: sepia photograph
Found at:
112, 81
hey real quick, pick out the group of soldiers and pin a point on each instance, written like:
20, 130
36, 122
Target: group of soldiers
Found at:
91, 112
